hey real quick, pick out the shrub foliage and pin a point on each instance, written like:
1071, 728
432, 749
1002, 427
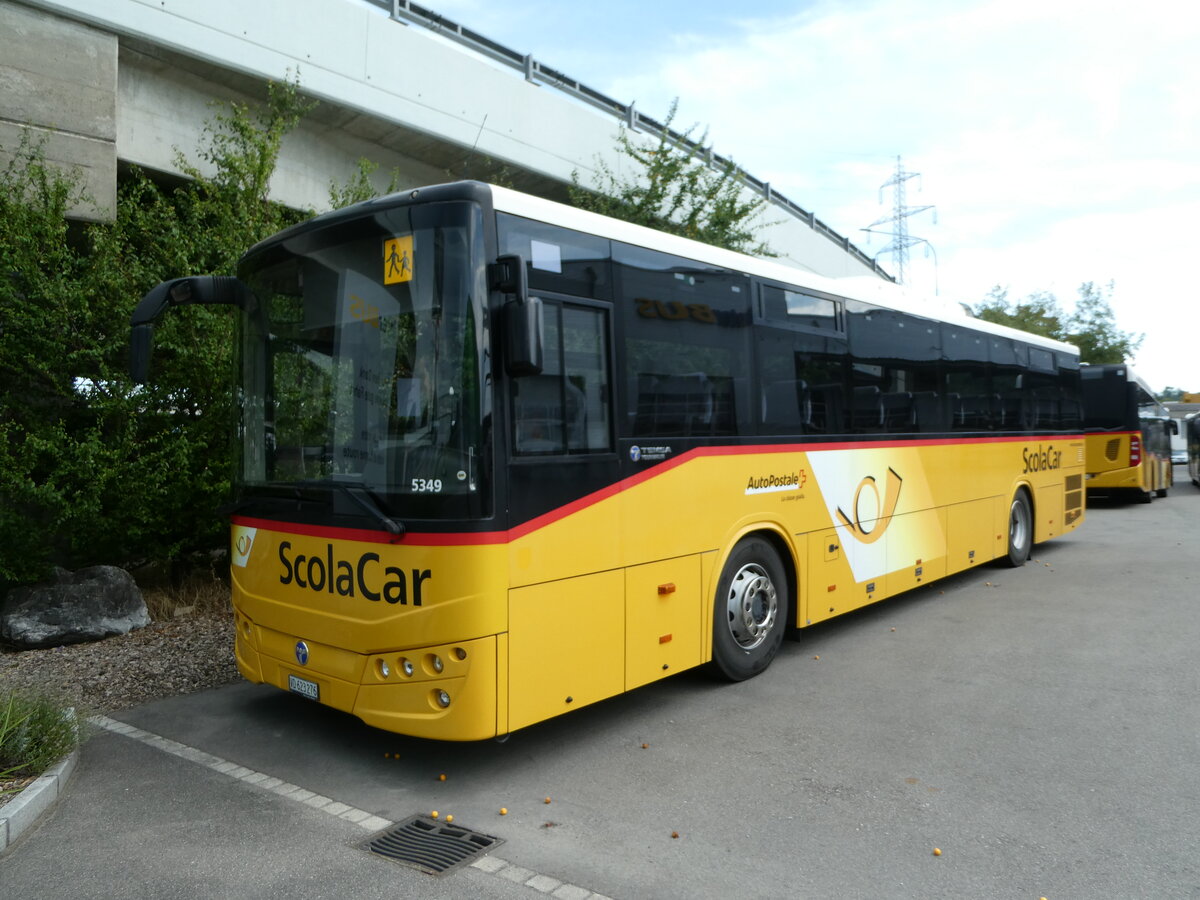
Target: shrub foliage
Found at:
94, 469
674, 188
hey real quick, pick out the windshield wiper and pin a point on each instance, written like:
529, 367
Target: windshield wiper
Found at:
310, 491
370, 504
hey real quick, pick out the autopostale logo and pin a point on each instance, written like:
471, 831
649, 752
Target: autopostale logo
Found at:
775, 482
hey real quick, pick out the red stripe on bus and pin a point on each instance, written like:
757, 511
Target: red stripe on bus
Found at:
480, 538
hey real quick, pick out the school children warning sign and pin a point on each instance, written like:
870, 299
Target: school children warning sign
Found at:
398, 259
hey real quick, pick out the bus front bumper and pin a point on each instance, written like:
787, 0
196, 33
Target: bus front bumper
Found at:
445, 692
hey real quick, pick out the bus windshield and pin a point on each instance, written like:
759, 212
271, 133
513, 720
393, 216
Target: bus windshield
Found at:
361, 359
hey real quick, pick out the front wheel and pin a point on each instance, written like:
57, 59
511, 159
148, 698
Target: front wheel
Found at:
1020, 530
751, 610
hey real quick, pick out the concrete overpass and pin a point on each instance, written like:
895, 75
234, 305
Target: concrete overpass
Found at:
108, 83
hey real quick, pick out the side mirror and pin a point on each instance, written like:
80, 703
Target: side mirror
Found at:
211, 290
523, 323
525, 327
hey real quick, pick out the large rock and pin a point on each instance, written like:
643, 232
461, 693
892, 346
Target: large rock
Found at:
74, 608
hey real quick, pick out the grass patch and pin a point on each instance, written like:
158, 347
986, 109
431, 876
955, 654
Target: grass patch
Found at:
35, 733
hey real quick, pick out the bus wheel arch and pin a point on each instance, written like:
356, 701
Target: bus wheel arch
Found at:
752, 606
1020, 528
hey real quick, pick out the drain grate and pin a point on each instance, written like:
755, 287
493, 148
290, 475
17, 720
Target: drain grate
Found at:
430, 845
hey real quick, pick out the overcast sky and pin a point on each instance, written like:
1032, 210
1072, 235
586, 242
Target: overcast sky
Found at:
1058, 140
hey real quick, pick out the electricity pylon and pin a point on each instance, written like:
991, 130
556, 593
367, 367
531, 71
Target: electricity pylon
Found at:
901, 240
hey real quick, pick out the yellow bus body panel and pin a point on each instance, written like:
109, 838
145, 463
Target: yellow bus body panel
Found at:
1109, 469
347, 634
566, 646
618, 589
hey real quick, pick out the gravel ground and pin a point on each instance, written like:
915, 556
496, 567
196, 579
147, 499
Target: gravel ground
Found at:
163, 659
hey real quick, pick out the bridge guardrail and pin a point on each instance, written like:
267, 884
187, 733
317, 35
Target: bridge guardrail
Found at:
537, 72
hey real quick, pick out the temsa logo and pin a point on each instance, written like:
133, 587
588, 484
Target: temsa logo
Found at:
346, 579
880, 515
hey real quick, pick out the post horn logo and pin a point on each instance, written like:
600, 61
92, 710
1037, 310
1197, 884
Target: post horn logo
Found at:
244, 543
886, 509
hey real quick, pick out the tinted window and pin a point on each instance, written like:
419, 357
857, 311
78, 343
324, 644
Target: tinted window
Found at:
565, 409
782, 306
802, 383
972, 403
686, 345
558, 259
895, 381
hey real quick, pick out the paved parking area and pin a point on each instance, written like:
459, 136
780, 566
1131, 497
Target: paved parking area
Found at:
1038, 726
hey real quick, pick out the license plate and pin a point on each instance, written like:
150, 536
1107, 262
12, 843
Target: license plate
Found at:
304, 687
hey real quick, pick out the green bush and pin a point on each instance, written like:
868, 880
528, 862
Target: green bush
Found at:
94, 469
668, 184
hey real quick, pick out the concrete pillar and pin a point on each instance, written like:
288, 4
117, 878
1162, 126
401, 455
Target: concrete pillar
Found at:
58, 84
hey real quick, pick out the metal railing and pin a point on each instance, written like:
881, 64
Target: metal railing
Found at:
539, 73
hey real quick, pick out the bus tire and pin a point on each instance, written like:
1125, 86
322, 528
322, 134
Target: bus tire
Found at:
1144, 496
750, 613
1020, 530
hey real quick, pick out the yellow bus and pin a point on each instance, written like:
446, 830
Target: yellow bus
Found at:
1192, 426
501, 458
1128, 434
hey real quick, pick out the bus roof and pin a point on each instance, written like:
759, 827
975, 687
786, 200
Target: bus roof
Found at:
862, 287
866, 288
1128, 373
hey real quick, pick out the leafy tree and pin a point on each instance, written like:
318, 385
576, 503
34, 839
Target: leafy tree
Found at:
1038, 313
1170, 392
359, 187
674, 189
1093, 328
1091, 325
92, 468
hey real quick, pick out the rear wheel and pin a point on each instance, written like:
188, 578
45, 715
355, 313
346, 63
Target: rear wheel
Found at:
751, 610
1020, 529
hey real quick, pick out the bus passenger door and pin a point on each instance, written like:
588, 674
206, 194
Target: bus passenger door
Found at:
566, 590
561, 454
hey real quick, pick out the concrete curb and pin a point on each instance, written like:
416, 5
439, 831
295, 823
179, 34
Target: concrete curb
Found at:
21, 813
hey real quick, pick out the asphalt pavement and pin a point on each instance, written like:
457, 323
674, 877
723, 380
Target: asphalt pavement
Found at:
1037, 726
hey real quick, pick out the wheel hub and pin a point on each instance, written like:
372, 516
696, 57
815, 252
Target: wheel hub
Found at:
1018, 525
753, 606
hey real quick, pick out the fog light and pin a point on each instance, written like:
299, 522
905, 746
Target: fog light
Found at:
460, 654
436, 663
384, 669
406, 667
443, 699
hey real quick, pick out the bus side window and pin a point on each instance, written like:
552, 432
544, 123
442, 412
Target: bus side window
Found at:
686, 330
566, 408
800, 381
787, 404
